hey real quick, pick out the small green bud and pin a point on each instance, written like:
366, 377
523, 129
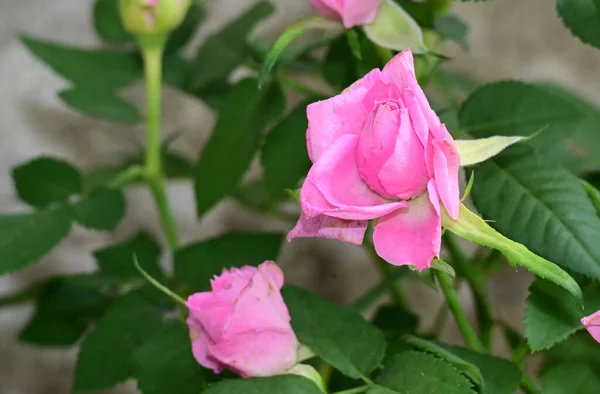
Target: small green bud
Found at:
152, 17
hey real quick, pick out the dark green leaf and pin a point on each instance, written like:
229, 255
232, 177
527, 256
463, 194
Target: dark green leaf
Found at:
45, 180
106, 355
413, 372
339, 67
185, 32
422, 13
107, 21
283, 384
235, 140
254, 195
582, 17
102, 209
544, 207
578, 348
284, 156
570, 379
453, 28
394, 320
552, 315
339, 336
101, 104
26, 238
225, 50
165, 364
593, 194
354, 43
196, 264
102, 69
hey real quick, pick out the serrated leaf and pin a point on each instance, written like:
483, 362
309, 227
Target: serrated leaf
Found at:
552, 315
339, 336
185, 32
581, 17
238, 132
284, 155
101, 209
544, 207
451, 27
569, 379
101, 104
282, 384
27, 237
102, 69
165, 364
106, 355
107, 22
414, 372
225, 50
45, 180
196, 264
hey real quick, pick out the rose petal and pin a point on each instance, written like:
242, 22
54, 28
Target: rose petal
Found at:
334, 187
592, 324
211, 311
359, 12
410, 236
352, 231
200, 343
327, 8
446, 165
272, 272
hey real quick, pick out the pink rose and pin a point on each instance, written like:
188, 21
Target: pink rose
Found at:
349, 12
243, 324
380, 153
592, 324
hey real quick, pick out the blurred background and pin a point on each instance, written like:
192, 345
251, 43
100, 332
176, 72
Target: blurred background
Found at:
509, 39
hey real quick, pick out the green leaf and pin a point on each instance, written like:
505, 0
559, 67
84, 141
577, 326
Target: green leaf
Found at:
102, 69
413, 372
45, 180
25, 238
254, 195
593, 194
284, 155
578, 348
476, 151
354, 43
196, 264
235, 140
339, 336
282, 384
64, 309
582, 18
394, 320
451, 27
165, 364
106, 355
185, 32
473, 228
107, 21
101, 104
102, 209
569, 379
552, 315
544, 207
225, 50
513, 108
339, 66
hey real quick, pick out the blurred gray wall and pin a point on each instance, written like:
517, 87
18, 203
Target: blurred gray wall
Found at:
510, 39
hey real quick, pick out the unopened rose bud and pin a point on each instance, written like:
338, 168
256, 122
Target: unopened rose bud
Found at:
152, 17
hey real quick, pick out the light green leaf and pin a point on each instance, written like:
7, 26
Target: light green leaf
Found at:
339, 336
282, 384
582, 18
196, 264
27, 237
451, 27
475, 229
413, 372
165, 364
394, 28
441, 265
475, 151
101, 104
571, 379
107, 21
101, 209
310, 373
45, 180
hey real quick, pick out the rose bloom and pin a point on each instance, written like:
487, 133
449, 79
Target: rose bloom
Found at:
243, 324
380, 153
349, 12
592, 324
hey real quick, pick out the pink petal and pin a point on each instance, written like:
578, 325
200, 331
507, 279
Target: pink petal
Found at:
327, 8
446, 165
592, 324
352, 231
272, 272
232, 281
410, 236
359, 12
211, 311
257, 353
334, 187
200, 343
404, 174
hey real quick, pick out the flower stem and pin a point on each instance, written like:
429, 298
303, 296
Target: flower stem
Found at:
460, 316
152, 50
527, 385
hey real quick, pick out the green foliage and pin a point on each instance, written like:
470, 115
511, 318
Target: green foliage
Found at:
101, 209
571, 378
578, 348
196, 264
413, 372
234, 142
107, 22
282, 384
165, 364
185, 32
339, 336
453, 28
45, 180
394, 320
581, 18
101, 104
